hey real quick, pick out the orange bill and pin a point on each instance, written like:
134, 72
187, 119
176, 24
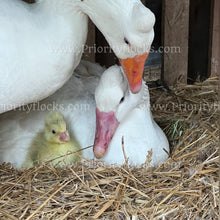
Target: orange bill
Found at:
134, 68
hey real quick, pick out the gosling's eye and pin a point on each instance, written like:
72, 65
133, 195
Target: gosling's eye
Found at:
127, 41
122, 100
53, 131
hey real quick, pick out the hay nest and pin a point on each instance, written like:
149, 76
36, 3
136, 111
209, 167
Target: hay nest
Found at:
184, 187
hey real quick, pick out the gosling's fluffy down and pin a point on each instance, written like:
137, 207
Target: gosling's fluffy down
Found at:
53, 142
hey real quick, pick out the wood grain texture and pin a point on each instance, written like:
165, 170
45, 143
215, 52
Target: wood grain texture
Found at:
199, 40
215, 40
175, 41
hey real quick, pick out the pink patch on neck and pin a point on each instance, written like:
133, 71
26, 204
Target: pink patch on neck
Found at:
106, 125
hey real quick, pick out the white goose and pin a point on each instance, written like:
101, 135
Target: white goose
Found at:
41, 43
118, 111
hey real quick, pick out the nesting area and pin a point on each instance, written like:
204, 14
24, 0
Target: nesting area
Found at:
186, 186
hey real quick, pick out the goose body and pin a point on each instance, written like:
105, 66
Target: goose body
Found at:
41, 43
81, 99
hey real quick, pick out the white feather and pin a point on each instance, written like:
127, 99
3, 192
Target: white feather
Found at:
41, 44
76, 101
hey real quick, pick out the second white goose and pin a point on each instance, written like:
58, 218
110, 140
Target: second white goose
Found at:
115, 112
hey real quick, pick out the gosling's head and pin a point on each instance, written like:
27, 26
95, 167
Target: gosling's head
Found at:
55, 128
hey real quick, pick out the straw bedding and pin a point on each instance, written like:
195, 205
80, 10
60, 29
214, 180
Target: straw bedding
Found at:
186, 186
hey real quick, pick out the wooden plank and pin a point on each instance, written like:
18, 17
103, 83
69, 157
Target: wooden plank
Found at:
199, 38
104, 54
175, 41
156, 7
215, 40
89, 49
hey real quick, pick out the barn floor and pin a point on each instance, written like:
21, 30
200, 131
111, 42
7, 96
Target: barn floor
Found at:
186, 186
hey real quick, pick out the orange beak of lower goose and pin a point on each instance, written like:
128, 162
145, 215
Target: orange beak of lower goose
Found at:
134, 68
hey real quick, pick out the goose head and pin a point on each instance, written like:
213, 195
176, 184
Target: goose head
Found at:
128, 28
114, 101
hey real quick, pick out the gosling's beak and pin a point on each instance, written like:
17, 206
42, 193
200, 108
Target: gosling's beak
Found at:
64, 136
134, 68
106, 125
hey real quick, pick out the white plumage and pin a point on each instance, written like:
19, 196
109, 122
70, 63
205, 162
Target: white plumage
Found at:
76, 102
41, 43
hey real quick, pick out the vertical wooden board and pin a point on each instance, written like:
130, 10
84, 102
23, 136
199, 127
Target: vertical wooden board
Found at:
199, 38
156, 7
89, 48
175, 41
215, 40
104, 54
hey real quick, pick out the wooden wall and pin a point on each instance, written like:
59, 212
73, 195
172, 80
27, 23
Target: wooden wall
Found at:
199, 40
175, 41
214, 64
192, 26
106, 58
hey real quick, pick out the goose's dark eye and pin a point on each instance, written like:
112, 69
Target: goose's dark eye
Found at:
122, 100
53, 131
127, 41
